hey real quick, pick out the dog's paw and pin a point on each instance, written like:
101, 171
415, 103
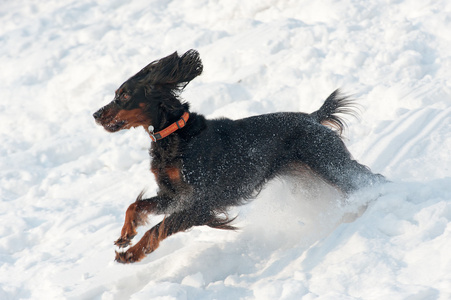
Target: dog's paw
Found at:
123, 242
124, 257
130, 256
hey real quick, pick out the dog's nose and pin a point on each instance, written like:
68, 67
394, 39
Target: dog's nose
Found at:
97, 114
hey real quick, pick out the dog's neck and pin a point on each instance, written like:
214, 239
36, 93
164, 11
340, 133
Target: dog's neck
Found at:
155, 136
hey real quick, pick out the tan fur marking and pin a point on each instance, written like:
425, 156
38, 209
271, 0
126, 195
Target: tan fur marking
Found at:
133, 118
173, 174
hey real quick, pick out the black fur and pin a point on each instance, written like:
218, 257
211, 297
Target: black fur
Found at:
209, 166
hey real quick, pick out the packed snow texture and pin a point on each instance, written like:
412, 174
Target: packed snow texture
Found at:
65, 182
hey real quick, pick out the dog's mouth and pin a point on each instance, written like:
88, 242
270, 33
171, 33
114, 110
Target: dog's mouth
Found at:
114, 125
109, 120
111, 125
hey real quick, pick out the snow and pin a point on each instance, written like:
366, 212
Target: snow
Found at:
65, 183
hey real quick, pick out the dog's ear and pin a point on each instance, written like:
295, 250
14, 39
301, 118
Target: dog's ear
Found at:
173, 70
190, 66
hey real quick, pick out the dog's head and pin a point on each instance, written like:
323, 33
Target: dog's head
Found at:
150, 96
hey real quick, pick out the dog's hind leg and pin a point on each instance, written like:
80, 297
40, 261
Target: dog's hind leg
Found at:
333, 162
135, 216
349, 175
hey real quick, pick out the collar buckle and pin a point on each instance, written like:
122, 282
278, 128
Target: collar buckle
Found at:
151, 133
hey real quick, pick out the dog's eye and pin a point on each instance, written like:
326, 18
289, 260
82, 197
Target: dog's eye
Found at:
125, 97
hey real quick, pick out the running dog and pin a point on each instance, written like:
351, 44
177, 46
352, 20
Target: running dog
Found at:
203, 167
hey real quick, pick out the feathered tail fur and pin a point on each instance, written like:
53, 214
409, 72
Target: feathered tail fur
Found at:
335, 104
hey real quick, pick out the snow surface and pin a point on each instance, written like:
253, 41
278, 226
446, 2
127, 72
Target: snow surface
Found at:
65, 183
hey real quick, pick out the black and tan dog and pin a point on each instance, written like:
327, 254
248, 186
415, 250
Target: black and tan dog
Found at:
203, 167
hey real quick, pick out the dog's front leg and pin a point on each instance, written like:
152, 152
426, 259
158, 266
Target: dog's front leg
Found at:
135, 216
170, 225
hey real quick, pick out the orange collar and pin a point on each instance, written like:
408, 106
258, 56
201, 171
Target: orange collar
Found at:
170, 129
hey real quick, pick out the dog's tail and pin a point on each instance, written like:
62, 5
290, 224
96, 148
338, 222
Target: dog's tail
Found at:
335, 104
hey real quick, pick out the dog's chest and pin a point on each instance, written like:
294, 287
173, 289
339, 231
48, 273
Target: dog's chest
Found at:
171, 173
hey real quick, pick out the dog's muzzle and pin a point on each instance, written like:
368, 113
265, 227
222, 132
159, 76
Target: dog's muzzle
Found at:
98, 114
